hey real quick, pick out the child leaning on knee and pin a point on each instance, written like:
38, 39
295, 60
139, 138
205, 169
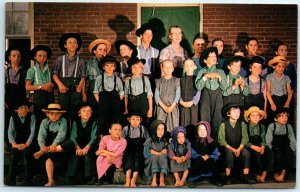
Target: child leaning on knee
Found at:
261, 155
51, 139
281, 139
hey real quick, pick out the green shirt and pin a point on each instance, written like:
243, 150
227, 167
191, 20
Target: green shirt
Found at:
221, 134
230, 79
59, 127
211, 84
73, 136
255, 130
38, 77
92, 70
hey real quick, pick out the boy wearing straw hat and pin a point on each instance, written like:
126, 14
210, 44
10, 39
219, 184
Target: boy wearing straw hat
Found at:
261, 155
51, 139
99, 48
279, 91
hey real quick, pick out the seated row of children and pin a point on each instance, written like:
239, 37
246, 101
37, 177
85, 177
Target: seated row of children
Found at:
257, 150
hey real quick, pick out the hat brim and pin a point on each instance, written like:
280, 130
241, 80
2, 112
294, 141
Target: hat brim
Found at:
63, 39
249, 111
39, 48
140, 31
100, 41
228, 106
54, 110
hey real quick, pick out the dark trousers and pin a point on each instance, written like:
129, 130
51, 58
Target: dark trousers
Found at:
244, 158
15, 157
87, 162
264, 162
283, 159
210, 108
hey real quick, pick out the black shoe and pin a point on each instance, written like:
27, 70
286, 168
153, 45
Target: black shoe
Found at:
10, 181
228, 180
246, 179
27, 182
92, 181
100, 181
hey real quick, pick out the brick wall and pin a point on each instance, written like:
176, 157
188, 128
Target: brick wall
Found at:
228, 21
91, 20
265, 22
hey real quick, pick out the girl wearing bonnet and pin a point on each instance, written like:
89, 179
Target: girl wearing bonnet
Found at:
204, 155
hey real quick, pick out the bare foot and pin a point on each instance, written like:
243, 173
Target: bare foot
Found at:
133, 183
182, 182
277, 178
162, 184
127, 184
258, 179
50, 183
153, 184
38, 154
263, 178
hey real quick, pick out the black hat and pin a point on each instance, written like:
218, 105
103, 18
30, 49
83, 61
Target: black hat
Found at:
129, 44
143, 28
7, 53
135, 60
282, 110
66, 36
206, 53
22, 103
41, 47
228, 106
107, 59
232, 59
257, 59
134, 113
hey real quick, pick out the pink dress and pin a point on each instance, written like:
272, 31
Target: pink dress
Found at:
117, 147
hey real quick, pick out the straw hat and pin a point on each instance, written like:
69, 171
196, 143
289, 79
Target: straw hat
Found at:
254, 109
278, 59
54, 107
99, 41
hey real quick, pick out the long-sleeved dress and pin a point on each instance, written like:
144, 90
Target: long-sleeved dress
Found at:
117, 147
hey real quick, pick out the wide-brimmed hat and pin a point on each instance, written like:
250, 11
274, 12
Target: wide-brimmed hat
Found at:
127, 43
228, 106
64, 37
278, 59
135, 60
230, 60
22, 103
254, 109
107, 59
257, 59
100, 41
134, 113
7, 52
205, 54
43, 48
54, 107
143, 28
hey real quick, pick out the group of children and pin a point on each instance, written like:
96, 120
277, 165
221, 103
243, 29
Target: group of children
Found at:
177, 140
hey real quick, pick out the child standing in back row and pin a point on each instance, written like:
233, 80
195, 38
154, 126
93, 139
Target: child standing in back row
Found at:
167, 95
190, 96
211, 82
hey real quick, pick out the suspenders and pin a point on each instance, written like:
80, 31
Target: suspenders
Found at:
63, 67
